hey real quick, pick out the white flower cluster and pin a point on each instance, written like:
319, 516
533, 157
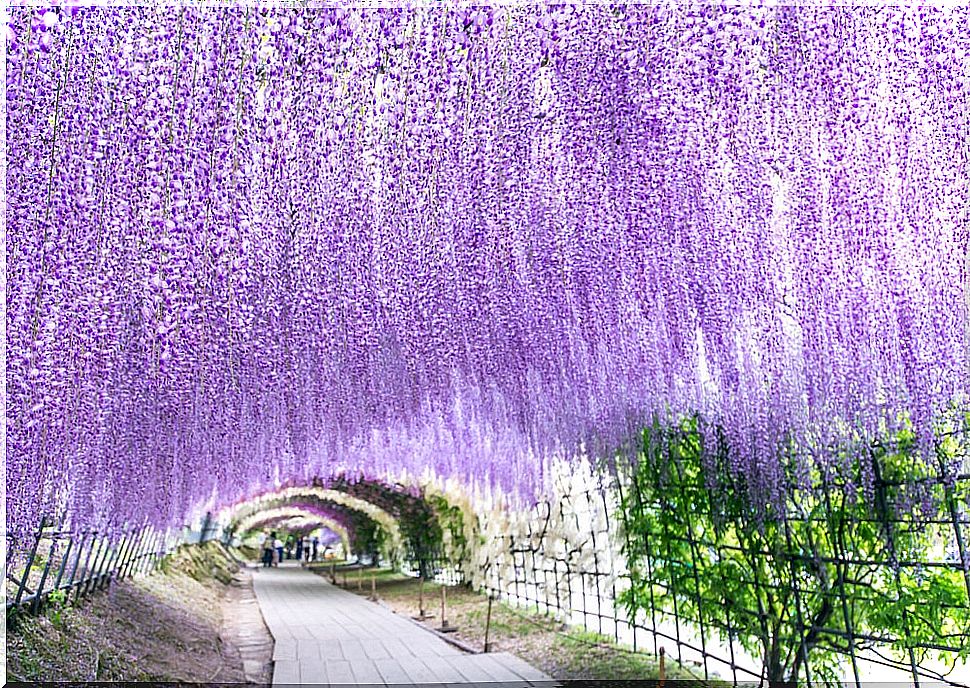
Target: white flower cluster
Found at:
394, 543
567, 543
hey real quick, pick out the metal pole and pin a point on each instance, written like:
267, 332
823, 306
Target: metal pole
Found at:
883, 510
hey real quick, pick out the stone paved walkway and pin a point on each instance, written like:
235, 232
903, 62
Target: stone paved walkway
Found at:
328, 636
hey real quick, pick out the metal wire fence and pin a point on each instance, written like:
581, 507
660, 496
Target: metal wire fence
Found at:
847, 581
432, 564
841, 586
56, 563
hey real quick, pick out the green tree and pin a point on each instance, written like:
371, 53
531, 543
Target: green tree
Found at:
423, 534
367, 537
449, 518
836, 572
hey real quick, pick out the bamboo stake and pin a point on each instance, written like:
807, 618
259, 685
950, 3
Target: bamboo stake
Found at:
422, 612
445, 626
488, 623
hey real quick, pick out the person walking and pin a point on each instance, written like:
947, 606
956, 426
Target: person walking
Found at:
314, 544
277, 550
267, 546
306, 549
299, 549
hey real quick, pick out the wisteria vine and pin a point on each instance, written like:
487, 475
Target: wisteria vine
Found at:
247, 246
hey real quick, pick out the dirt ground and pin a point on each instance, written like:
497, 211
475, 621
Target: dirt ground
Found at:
181, 624
197, 621
243, 629
542, 642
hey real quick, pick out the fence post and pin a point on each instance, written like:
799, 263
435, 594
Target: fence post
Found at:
90, 574
99, 563
67, 556
145, 561
134, 542
77, 562
144, 566
30, 561
205, 527
140, 564
158, 553
84, 569
104, 575
116, 558
488, 623
445, 626
151, 561
136, 554
43, 577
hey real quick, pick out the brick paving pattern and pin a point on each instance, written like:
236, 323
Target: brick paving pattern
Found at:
328, 636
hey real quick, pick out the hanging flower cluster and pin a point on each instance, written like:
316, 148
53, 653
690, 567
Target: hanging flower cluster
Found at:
247, 246
347, 509
332, 519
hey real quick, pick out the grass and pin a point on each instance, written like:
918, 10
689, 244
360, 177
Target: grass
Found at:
539, 640
163, 627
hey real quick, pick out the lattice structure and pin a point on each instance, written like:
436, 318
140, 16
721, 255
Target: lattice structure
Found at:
62, 562
706, 577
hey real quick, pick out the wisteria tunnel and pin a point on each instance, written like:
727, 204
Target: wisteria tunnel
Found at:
641, 331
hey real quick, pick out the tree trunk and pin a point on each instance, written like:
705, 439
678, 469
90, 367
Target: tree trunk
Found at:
777, 674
